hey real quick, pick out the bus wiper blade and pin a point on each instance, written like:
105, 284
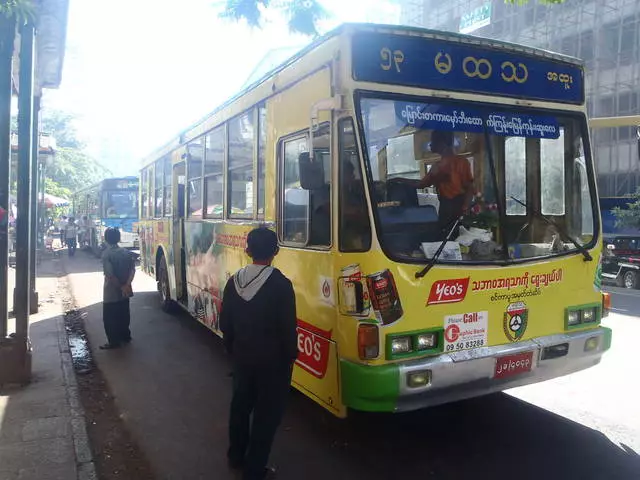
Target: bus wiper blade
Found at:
584, 251
436, 255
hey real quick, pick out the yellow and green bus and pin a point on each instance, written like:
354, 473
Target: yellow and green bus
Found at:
397, 310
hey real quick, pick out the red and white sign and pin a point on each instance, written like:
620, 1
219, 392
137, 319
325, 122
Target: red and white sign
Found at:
448, 291
513, 364
465, 331
314, 345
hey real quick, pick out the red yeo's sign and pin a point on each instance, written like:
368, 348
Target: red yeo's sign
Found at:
313, 349
448, 291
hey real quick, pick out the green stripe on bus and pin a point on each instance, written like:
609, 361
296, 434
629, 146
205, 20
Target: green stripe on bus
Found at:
369, 388
607, 338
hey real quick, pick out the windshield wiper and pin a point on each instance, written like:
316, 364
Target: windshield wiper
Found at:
436, 255
584, 251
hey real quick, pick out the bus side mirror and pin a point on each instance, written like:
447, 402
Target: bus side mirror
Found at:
311, 172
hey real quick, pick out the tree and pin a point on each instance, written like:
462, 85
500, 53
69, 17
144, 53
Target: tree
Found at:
60, 126
302, 15
73, 169
18, 10
629, 217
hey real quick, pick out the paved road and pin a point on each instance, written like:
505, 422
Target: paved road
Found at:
173, 388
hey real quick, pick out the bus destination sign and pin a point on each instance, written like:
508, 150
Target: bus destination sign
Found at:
439, 64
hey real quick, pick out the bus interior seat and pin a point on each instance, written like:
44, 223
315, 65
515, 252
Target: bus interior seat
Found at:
405, 194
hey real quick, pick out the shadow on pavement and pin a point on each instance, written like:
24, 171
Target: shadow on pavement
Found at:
35, 420
172, 387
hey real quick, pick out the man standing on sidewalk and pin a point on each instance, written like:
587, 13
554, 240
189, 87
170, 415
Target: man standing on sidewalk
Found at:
258, 320
119, 270
71, 234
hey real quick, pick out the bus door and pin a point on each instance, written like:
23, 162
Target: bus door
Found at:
179, 253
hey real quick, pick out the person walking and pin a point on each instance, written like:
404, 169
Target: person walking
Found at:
62, 224
258, 321
119, 269
71, 236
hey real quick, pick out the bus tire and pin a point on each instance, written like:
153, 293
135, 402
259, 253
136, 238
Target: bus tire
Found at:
166, 303
630, 279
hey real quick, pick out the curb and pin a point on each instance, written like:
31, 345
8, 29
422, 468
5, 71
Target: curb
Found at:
85, 466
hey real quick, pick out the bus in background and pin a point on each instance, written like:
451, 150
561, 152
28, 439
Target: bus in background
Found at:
112, 202
404, 299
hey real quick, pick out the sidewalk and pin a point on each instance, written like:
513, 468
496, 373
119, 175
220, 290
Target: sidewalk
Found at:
42, 426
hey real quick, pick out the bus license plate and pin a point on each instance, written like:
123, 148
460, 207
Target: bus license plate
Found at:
513, 364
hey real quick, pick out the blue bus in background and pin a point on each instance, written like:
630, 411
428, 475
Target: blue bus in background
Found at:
113, 202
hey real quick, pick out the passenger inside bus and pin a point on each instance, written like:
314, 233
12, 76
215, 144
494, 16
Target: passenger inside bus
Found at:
451, 176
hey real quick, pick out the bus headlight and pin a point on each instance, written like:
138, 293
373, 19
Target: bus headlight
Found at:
589, 315
420, 378
591, 344
426, 341
573, 317
400, 345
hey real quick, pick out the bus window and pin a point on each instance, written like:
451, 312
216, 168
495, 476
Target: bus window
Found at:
306, 213
213, 173
159, 178
355, 230
120, 204
295, 210
552, 175
194, 169
262, 144
168, 189
144, 190
241, 144
515, 173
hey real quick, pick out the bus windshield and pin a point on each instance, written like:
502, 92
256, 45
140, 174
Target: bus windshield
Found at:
120, 204
518, 180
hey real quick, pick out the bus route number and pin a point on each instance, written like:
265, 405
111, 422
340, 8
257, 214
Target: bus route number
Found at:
391, 59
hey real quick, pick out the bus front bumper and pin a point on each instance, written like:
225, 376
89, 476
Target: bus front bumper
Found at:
469, 373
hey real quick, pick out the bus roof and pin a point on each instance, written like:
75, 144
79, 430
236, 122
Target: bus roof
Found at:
351, 28
98, 184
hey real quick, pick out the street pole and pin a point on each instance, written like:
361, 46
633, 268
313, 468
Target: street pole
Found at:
34, 230
25, 151
7, 36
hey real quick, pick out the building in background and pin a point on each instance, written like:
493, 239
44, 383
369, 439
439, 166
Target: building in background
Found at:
605, 34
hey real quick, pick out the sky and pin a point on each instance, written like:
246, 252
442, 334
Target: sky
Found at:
138, 72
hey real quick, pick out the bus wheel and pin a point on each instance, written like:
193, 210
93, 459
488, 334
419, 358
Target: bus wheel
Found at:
164, 289
630, 279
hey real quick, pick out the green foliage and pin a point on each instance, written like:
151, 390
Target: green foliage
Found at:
20, 10
629, 217
73, 169
60, 125
302, 15
53, 188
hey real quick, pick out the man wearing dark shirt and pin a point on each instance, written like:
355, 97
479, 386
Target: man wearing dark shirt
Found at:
119, 270
258, 320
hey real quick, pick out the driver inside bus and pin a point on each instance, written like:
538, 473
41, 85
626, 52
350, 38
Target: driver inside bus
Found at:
451, 176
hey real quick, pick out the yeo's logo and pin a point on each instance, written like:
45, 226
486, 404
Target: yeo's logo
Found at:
448, 291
